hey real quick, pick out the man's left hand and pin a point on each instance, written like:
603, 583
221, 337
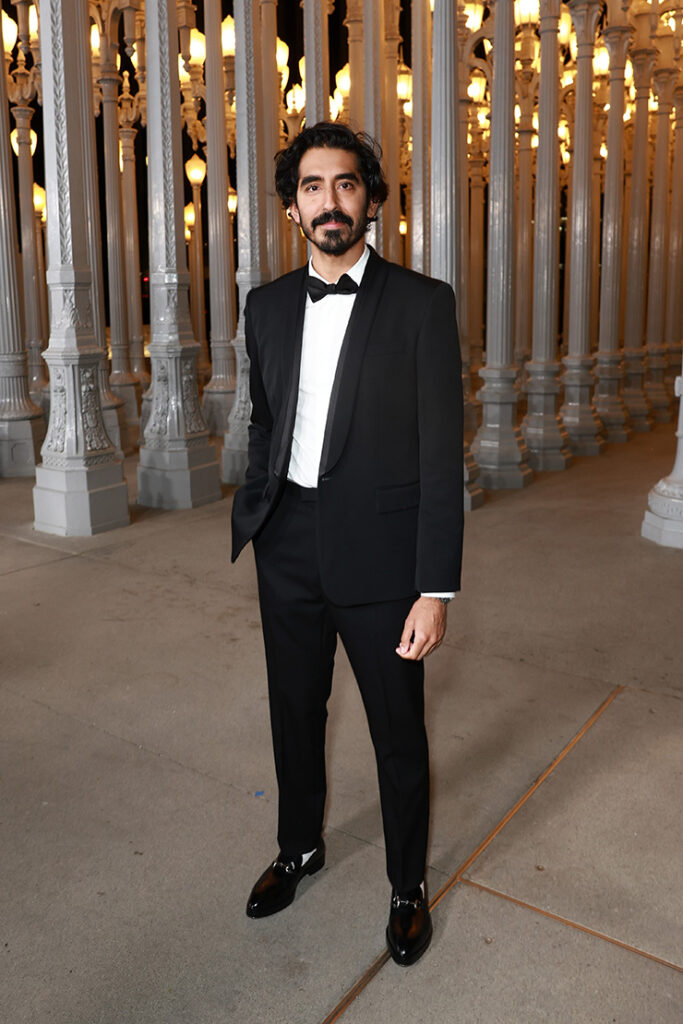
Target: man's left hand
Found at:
424, 629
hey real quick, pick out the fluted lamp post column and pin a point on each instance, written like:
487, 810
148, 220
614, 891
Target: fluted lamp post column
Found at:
373, 88
178, 467
122, 379
129, 113
445, 195
635, 398
219, 392
354, 25
664, 82
579, 417
24, 87
22, 426
195, 169
421, 36
252, 268
39, 205
113, 413
609, 403
498, 446
527, 13
271, 115
542, 429
674, 292
79, 488
316, 49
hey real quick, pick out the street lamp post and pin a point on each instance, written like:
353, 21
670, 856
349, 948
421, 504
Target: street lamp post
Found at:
195, 169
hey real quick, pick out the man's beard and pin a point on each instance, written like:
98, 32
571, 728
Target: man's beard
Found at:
334, 241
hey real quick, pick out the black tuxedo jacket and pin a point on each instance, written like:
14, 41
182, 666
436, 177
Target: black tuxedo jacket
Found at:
390, 488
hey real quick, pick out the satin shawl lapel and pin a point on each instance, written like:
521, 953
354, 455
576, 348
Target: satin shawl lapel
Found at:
350, 360
292, 337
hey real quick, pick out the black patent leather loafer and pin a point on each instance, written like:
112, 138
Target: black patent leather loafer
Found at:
276, 888
409, 931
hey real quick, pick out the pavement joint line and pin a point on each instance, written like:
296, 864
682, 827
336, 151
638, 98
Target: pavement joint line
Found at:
375, 967
572, 924
529, 793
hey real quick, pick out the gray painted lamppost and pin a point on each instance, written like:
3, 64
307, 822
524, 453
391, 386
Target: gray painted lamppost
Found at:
22, 426
578, 414
527, 81
316, 50
391, 211
122, 380
113, 413
664, 82
373, 107
542, 429
39, 204
642, 59
445, 193
252, 260
178, 467
609, 403
195, 171
674, 293
420, 20
663, 521
131, 109
498, 446
24, 86
271, 114
354, 25
79, 488
477, 165
219, 392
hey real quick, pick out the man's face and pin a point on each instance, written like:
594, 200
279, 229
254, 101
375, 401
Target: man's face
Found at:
331, 205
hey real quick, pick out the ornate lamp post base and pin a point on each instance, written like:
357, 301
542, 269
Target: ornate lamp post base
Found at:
80, 502
499, 448
578, 415
545, 436
655, 386
635, 398
234, 462
609, 404
217, 401
80, 488
20, 443
185, 478
473, 494
663, 521
178, 466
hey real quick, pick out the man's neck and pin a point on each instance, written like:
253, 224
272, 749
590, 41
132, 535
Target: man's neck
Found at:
332, 266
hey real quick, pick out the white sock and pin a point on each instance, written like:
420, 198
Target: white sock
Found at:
306, 857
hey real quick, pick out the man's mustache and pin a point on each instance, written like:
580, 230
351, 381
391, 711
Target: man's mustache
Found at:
332, 215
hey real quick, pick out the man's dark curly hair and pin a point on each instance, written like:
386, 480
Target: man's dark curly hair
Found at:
333, 135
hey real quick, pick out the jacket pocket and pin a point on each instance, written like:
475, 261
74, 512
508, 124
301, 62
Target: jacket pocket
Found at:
394, 499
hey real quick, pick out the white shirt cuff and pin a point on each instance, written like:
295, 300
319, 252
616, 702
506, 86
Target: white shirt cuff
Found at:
449, 594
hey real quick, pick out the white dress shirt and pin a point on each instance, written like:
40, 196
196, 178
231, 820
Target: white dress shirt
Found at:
325, 323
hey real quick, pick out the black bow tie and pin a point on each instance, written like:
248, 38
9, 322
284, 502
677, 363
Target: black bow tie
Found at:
318, 289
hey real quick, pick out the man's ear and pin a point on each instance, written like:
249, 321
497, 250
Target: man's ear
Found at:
373, 207
293, 212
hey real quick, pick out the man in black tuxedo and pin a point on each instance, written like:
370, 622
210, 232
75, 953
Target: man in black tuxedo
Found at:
354, 501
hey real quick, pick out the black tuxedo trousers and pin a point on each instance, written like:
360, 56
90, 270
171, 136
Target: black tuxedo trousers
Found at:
300, 628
